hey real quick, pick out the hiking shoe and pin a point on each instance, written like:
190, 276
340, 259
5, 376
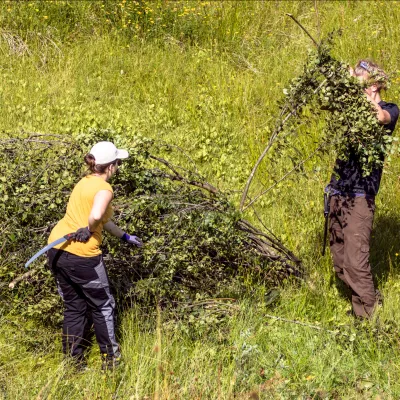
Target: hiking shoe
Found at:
110, 362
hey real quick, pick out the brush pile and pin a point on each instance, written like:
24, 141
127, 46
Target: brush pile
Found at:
196, 244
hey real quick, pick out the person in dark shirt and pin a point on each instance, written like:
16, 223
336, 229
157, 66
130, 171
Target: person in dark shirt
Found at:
352, 204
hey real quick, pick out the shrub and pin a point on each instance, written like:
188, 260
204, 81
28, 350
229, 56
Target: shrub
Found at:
196, 244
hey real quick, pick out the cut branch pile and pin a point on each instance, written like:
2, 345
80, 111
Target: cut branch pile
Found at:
196, 244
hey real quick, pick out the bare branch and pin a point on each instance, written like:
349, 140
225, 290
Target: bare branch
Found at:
318, 328
278, 129
274, 243
22, 277
302, 27
178, 177
283, 177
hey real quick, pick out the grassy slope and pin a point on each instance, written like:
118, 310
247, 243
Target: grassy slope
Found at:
213, 99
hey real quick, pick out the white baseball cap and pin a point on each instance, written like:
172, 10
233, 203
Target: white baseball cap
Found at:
106, 152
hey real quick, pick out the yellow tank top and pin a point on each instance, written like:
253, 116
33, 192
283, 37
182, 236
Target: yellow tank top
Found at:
78, 209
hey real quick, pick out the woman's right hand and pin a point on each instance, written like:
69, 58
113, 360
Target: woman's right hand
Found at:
82, 235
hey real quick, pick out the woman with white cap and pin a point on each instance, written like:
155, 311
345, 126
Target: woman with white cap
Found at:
78, 264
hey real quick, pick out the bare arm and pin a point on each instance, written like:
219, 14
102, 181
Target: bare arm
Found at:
110, 227
100, 204
382, 115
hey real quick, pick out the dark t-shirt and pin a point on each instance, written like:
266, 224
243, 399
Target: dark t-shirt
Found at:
347, 176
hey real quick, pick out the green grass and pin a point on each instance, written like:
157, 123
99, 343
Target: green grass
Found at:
210, 85
251, 354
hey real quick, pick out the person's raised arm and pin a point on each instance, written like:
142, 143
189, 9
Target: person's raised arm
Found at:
372, 94
382, 115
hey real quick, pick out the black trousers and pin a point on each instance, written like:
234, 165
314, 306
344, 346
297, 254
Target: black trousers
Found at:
83, 285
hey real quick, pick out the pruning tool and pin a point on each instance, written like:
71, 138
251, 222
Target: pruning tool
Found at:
327, 197
69, 236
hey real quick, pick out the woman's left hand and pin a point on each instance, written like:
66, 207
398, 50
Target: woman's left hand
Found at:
132, 239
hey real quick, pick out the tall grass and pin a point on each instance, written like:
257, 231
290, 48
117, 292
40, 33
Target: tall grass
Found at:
251, 355
208, 80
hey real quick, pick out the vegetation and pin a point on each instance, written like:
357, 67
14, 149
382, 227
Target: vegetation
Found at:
205, 77
197, 246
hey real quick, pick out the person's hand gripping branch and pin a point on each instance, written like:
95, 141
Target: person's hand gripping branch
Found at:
364, 72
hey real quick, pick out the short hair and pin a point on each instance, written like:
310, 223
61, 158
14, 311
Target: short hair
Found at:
375, 73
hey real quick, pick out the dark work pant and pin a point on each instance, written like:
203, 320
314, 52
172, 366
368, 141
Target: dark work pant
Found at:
350, 228
83, 285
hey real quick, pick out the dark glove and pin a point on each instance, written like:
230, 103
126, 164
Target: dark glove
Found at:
132, 239
82, 235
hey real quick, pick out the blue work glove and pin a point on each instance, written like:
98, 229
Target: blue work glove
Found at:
82, 235
132, 239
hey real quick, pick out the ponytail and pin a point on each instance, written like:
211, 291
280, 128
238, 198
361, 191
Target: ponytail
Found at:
96, 169
90, 162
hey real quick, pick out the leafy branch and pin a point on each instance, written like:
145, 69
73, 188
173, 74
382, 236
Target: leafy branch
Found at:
351, 126
196, 244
